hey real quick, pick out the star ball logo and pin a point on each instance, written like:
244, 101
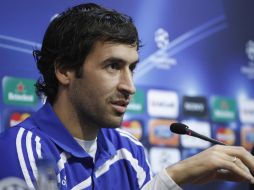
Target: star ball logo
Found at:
162, 60
19, 91
134, 127
161, 38
249, 69
250, 50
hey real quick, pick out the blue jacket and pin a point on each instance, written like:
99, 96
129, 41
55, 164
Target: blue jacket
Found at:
120, 161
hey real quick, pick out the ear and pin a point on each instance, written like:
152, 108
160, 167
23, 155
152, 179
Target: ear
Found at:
63, 75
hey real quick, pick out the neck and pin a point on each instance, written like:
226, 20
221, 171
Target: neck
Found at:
72, 122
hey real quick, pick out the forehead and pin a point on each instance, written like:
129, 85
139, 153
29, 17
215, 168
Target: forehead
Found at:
105, 50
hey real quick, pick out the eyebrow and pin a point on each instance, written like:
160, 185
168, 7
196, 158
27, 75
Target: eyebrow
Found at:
119, 60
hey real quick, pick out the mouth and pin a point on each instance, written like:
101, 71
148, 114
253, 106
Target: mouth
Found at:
120, 106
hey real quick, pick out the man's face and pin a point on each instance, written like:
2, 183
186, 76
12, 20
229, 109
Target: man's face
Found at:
100, 96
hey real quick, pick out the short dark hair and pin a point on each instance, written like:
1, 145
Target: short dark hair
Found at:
71, 36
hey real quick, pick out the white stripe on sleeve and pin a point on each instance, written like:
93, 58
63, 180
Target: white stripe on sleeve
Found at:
38, 147
129, 136
22, 159
84, 184
30, 154
123, 154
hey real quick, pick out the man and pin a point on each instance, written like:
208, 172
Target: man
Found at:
87, 60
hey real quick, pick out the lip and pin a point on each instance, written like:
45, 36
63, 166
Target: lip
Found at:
120, 106
119, 109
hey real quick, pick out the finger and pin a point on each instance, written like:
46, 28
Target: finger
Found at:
240, 164
233, 169
226, 174
241, 153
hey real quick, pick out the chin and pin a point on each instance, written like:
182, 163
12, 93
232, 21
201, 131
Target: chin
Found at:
112, 120
115, 123
111, 126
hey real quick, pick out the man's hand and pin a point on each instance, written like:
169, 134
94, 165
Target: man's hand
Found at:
218, 162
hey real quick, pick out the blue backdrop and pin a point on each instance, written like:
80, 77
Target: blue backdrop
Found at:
196, 67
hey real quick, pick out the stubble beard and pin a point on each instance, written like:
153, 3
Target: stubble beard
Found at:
97, 119
92, 116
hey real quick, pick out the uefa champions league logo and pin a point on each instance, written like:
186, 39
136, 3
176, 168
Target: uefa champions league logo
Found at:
249, 70
162, 58
250, 51
161, 38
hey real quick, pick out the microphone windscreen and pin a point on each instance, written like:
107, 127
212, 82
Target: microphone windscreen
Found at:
178, 128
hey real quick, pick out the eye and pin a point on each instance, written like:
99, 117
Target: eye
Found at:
113, 66
132, 68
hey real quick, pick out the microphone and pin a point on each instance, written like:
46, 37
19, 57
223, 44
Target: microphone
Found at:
182, 129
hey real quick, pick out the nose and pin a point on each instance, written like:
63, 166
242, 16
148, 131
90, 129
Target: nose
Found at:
126, 84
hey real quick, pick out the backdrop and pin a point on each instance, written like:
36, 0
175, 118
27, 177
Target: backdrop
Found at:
196, 67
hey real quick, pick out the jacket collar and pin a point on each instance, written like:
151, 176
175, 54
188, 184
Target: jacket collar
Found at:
49, 123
